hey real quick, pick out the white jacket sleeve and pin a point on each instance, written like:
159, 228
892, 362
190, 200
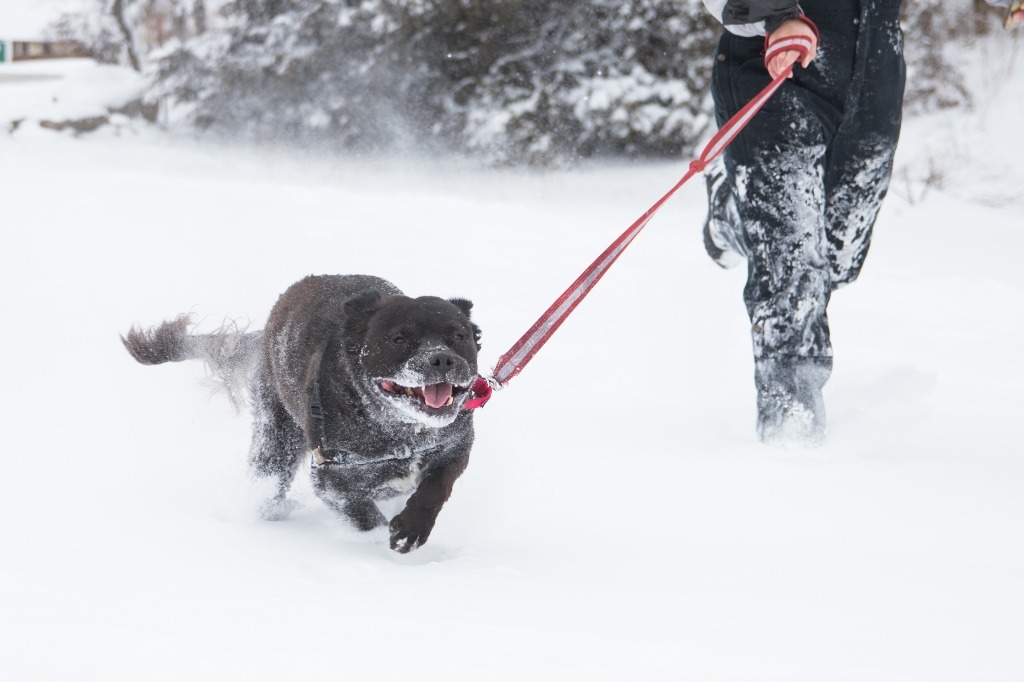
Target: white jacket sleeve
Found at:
752, 17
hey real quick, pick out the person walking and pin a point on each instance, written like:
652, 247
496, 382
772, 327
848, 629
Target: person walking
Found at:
797, 192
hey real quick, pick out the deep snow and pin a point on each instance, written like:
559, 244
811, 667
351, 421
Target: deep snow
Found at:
618, 519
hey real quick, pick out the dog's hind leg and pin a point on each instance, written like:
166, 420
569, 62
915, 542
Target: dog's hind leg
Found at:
276, 450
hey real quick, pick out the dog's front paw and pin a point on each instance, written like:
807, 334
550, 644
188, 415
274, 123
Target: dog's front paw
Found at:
409, 531
277, 508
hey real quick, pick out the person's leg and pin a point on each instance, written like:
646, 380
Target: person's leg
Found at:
781, 202
775, 172
723, 238
860, 160
857, 181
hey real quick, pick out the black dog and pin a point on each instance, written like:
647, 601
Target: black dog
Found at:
371, 382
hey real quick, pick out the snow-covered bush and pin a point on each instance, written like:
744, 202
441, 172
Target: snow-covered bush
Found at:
931, 28
512, 79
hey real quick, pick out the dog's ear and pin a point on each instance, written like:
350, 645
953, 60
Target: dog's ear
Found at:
358, 311
362, 305
462, 304
465, 305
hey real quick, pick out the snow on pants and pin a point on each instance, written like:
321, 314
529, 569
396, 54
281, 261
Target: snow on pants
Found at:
809, 173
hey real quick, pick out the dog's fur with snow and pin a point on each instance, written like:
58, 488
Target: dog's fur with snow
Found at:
392, 372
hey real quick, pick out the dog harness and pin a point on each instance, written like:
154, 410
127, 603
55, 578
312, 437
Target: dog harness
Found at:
322, 457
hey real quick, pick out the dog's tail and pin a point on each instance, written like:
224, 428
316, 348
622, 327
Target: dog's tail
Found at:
230, 353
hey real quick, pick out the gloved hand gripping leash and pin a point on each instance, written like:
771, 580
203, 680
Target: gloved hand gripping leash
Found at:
516, 358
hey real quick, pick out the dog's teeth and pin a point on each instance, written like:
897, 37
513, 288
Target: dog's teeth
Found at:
449, 401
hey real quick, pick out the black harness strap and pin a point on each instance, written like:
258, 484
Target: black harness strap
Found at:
316, 410
321, 456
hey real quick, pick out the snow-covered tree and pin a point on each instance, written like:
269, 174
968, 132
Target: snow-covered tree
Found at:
932, 29
513, 79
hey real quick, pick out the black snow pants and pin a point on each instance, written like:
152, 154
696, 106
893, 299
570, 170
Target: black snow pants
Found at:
808, 175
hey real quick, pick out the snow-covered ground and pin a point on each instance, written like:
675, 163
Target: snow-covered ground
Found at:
618, 520
60, 90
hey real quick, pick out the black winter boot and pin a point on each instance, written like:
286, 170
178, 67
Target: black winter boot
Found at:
790, 408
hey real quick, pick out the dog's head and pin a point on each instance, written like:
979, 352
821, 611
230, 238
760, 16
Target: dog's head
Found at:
417, 355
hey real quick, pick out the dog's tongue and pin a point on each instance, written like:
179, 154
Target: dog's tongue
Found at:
437, 394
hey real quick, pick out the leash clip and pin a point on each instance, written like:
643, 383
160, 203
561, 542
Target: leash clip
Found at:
483, 387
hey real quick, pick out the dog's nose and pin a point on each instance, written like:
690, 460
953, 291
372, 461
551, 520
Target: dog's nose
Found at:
441, 360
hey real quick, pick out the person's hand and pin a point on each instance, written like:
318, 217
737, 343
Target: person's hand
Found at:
1015, 17
788, 29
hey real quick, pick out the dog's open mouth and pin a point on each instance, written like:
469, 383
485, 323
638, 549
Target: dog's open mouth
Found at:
434, 396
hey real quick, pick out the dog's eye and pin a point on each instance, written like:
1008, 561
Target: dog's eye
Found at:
399, 339
459, 336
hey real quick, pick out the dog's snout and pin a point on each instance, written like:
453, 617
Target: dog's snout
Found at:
437, 364
441, 360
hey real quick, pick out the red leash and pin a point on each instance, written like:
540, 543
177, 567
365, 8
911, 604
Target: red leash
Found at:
516, 358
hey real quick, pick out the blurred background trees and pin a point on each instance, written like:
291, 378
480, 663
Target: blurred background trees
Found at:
512, 81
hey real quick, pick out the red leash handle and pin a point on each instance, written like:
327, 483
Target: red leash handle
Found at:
727, 133
516, 358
